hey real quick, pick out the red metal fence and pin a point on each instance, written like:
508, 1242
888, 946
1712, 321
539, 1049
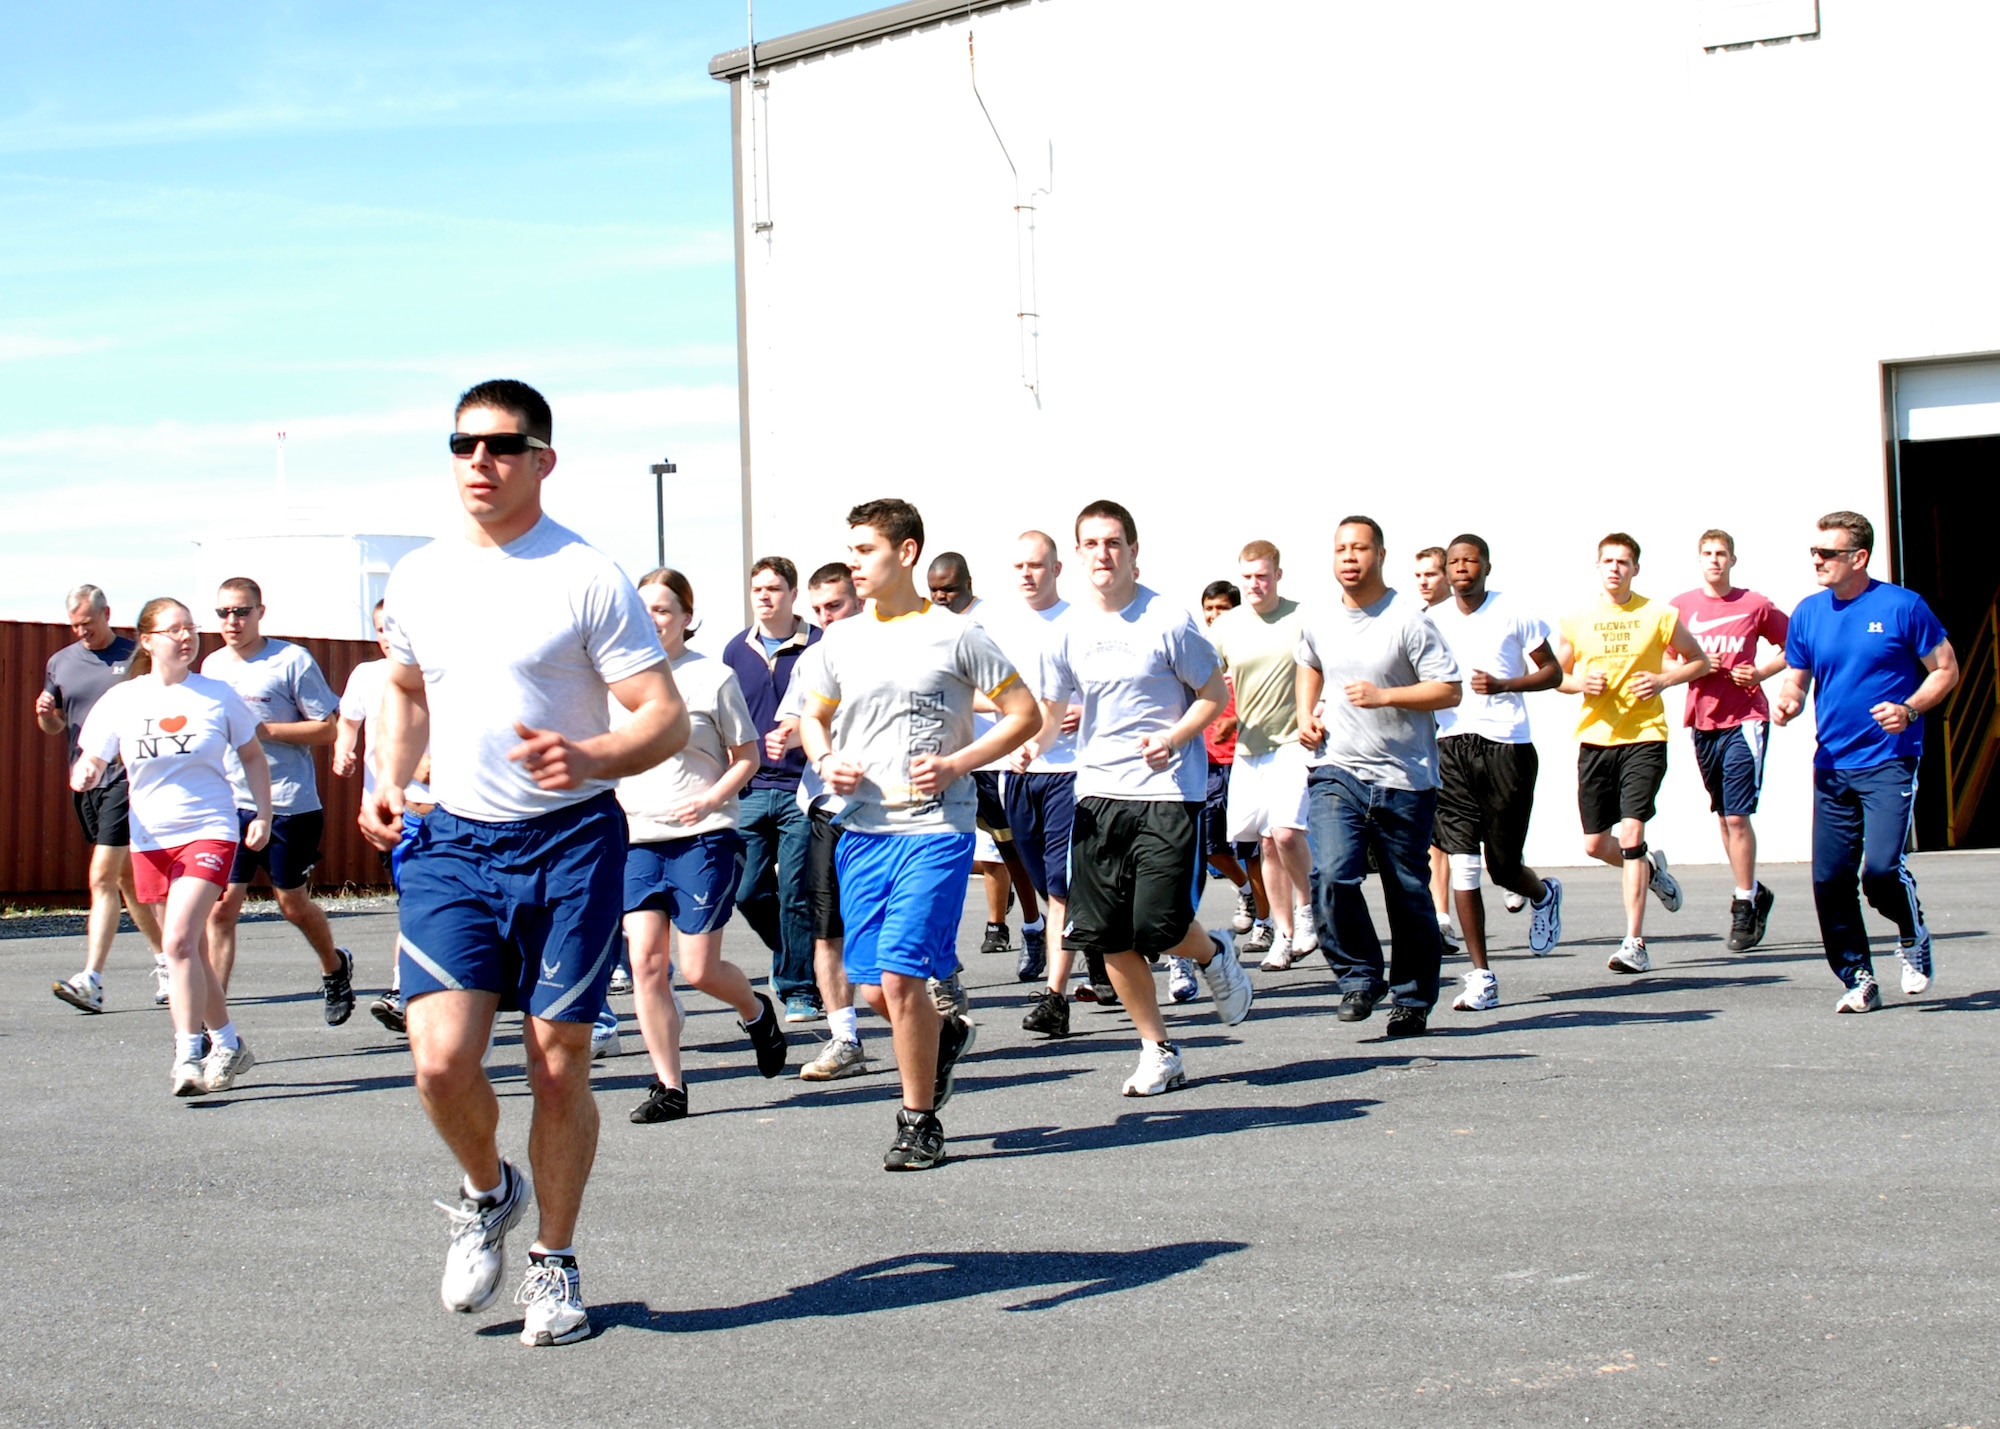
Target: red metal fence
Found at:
42, 854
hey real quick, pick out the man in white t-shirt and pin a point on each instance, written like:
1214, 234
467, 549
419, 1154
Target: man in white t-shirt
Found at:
504, 646
360, 702
1486, 759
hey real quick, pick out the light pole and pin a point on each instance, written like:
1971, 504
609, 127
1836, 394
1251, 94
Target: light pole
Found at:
661, 471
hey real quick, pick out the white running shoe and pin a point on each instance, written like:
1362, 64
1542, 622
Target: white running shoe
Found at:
837, 1059
1258, 940
620, 984
1914, 981
1545, 925
605, 1042
1864, 996
1305, 933
188, 1079
1279, 956
553, 1293
477, 1254
1482, 992
221, 1069
1630, 957
1181, 984
1228, 985
162, 983
83, 992
1245, 916
1514, 901
1665, 886
1160, 1070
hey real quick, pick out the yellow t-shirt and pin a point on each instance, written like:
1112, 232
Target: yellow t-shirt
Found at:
1617, 642
1259, 652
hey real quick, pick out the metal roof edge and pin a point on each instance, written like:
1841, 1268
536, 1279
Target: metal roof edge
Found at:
889, 20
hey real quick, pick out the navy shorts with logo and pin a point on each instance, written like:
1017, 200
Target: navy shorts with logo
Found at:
1732, 765
290, 855
527, 910
691, 880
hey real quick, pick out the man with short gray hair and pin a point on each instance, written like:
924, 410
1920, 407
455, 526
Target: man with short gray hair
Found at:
76, 676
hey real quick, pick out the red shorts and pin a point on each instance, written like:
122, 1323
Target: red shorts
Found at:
155, 869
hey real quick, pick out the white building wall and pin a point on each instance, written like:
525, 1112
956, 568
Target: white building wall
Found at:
1537, 270
313, 584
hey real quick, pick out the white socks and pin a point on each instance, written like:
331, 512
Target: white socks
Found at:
845, 1023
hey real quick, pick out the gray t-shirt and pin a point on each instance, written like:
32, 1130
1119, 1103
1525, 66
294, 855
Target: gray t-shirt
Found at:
1135, 672
718, 720
78, 675
282, 685
1390, 643
534, 631
900, 688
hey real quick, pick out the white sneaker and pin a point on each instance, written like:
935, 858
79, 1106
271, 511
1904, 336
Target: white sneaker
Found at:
1864, 996
1630, 957
162, 983
1181, 984
605, 1042
83, 992
1665, 886
1280, 955
1545, 925
221, 1068
477, 1254
1228, 985
1258, 940
1482, 992
188, 1079
1515, 902
1305, 933
621, 983
837, 1059
553, 1293
1160, 1070
1914, 982
1245, 916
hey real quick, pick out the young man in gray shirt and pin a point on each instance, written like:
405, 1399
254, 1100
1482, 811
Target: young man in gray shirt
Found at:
888, 725
1372, 749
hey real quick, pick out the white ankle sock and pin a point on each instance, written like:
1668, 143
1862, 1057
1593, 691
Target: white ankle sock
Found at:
845, 1024
1746, 894
188, 1044
1036, 926
225, 1036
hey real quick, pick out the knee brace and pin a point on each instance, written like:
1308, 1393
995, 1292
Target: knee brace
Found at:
1634, 854
1465, 871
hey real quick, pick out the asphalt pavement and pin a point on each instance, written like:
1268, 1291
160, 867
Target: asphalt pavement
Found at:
1696, 1197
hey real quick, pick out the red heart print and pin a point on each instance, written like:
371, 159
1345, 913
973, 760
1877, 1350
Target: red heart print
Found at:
174, 724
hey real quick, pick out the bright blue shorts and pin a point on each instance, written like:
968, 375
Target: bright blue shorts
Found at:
900, 899
527, 910
691, 880
1040, 809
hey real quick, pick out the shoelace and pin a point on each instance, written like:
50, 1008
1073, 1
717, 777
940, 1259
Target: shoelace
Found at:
546, 1281
466, 1217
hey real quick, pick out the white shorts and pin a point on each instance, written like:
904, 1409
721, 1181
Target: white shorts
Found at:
984, 850
1267, 791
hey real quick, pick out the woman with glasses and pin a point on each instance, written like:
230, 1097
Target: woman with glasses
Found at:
173, 729
685, 857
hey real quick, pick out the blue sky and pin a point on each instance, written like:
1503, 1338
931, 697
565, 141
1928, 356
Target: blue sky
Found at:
226, 220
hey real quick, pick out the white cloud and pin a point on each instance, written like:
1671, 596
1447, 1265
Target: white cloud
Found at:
23, 347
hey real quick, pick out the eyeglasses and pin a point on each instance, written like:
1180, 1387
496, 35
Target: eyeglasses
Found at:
1827, 553
497, 443
234, 612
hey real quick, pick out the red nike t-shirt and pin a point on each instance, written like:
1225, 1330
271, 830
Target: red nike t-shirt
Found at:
1728, 628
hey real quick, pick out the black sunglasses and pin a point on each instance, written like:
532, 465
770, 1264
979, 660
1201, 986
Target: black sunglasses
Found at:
497, 443
234, 612
1827, 553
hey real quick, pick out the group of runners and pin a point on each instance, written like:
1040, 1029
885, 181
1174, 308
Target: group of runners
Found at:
547, 766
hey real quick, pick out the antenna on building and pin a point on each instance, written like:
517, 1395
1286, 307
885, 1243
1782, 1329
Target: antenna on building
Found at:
753, 99
1026, 301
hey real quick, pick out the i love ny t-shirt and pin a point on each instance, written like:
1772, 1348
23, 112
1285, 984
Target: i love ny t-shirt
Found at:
175, 741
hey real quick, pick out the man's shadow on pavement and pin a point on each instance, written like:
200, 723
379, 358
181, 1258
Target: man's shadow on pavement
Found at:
926, 1278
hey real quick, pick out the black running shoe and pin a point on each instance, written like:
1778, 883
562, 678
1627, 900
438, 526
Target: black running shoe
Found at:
767, 1036
1408, 1022
339, 989
955, 1036
1742, 925
996, 940
919, 1143
1356, 1007
388, 1010
1050, 1014
1765, 898
662, 1103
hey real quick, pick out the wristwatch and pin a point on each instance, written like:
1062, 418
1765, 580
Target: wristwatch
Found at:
1909, 712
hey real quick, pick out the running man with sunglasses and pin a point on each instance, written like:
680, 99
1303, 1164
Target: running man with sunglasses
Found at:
506, 648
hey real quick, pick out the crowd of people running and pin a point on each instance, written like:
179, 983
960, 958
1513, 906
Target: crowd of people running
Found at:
572, 802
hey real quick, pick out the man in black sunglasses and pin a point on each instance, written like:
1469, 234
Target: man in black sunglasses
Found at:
506, 649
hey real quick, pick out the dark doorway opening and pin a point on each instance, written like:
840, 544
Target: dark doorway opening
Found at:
1949, 500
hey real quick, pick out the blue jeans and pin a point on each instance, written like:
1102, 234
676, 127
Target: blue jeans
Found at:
1861, 823
1344, 817
772, 894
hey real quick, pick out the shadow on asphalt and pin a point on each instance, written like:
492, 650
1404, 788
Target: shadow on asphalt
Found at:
1156, 1124
906, 1281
